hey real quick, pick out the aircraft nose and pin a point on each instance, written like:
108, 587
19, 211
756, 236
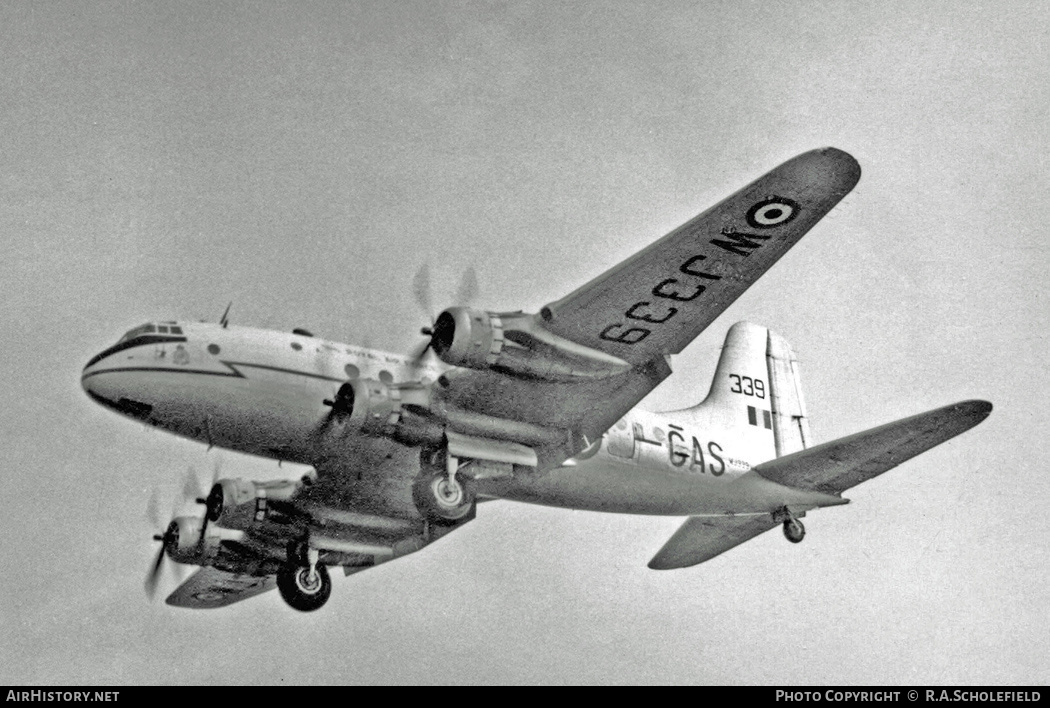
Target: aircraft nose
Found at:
110, 388
93, 384
87, 379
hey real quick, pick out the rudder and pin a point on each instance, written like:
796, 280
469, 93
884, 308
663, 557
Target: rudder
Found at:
790, 423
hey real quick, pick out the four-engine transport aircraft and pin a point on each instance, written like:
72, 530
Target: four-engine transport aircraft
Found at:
535, 408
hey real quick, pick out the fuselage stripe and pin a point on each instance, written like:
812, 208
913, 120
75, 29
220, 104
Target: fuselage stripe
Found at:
132, 343
233, 372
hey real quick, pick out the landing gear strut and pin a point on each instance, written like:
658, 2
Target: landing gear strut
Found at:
304, 586
440, 494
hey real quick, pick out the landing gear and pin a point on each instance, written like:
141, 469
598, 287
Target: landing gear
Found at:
304, 586
794, 531
440, 494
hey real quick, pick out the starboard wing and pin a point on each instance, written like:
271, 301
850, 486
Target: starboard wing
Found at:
210, 588
660, 299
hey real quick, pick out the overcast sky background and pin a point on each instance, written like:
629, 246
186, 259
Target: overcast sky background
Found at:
158, 160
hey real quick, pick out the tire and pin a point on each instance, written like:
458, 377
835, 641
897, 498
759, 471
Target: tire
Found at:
302, 592
794, 531
438, 500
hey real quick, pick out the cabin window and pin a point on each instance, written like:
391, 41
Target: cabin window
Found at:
386, 377
297, 347
352, 372
213, 349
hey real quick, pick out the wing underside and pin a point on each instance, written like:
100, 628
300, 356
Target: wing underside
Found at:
657, 301
660, 299
830, 468
210, 588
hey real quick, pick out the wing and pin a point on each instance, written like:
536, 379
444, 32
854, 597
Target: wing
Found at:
656, 302
830, 468
660, 299
840, 464
210, 588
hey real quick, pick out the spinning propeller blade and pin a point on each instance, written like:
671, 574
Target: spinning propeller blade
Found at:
466, 293
191, 492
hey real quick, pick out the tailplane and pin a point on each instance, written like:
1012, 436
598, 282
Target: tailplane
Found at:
756, 405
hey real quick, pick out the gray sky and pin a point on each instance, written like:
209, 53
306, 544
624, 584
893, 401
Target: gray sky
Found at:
159, 160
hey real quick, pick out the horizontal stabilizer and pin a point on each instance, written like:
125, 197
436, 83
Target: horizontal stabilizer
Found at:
702, 538
210, 588
840, 464
830, 468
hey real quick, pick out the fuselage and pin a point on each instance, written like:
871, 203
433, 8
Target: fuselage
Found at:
264, 393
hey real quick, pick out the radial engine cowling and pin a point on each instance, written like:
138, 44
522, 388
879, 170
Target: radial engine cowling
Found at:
238, 503
469, 338
184, 544
515, 343
397, 411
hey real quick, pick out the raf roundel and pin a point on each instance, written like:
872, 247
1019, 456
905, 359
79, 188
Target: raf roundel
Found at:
771, 212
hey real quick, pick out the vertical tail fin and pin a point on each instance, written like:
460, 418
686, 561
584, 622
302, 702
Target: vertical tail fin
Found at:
756, 395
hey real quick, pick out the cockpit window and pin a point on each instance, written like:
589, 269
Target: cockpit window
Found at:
138, 332
150, 329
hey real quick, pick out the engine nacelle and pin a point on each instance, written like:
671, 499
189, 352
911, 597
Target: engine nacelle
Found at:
469, 338
515, 343
398, 411
239, 503
183, 541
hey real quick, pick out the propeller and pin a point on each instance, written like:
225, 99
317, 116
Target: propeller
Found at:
466, 292
191, 492
468, 287
421, 291
191, 487
169, 536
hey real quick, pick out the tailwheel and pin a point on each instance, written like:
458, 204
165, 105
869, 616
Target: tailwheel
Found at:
794, 531
303, 587
443, 498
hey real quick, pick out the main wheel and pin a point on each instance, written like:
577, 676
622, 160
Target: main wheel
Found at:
441, 499
794, 531
303, 590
